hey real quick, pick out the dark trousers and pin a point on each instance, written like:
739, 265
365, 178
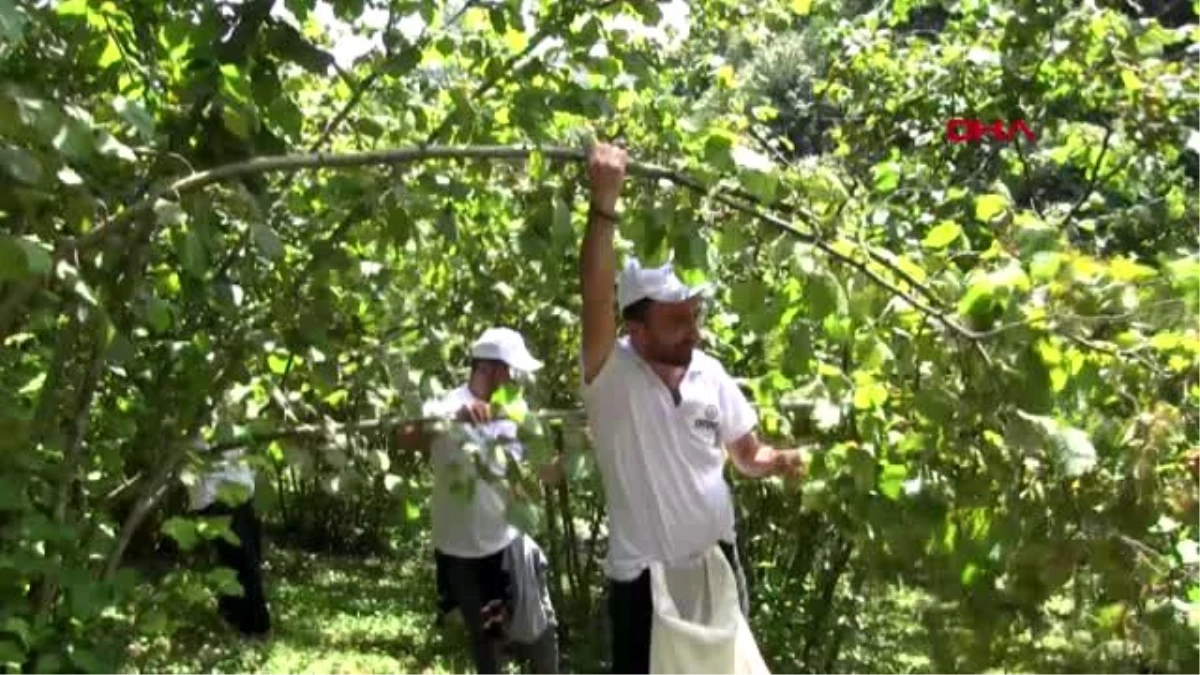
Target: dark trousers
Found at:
631, 611
248, 612
480, 589
477, 587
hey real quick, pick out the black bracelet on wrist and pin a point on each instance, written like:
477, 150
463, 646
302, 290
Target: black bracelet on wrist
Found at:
594, 210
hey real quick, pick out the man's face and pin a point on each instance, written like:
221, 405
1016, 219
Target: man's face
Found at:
671, 331
498, 374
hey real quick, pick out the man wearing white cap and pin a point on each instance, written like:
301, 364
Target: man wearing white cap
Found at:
487, 568
663, 415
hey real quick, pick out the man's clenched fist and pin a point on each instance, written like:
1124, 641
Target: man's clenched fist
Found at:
606, 172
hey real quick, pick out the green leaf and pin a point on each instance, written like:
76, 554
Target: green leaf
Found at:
801, 7
233, 494
158, 311
979, 296
942, 235
891, 481
89, 661
649, 10
267, 240
49, 662
277, 364
136, 115
21, 258
17, 626
988, 206
824, 295
290, 45
12, 21
193, 256
238, 121
969, 574
111, 54
1130, 80
718, 150
20, 165
412, 510
183, 531
523, 515
72, 8
562, 220
887, 177
224, 580
814, 495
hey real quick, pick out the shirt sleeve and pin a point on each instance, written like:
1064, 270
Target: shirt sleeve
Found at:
444, 407
604, 384
738, 417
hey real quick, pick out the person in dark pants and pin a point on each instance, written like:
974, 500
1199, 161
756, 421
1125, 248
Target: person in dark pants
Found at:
666, 418
248, 612
486, 568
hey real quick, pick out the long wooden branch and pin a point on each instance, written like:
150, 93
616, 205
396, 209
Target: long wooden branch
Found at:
406, 155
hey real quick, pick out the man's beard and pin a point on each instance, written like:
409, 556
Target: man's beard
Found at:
678, 356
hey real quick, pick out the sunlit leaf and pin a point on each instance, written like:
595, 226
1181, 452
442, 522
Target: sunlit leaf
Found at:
942, 235
988, 207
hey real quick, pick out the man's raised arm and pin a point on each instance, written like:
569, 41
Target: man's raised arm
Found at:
597, 261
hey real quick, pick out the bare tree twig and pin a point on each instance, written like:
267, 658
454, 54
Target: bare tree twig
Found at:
1108, 132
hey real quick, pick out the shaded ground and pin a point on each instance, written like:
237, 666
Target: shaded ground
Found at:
330, 614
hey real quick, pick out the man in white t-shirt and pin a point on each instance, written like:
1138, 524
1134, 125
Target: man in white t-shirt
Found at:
486, 567
663, 414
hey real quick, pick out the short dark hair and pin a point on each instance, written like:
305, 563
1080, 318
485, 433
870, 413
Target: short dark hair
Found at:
637, 311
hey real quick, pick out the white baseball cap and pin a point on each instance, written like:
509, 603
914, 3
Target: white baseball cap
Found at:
657, 283
507, 345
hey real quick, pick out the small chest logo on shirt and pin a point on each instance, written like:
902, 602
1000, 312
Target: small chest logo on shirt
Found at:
708, 422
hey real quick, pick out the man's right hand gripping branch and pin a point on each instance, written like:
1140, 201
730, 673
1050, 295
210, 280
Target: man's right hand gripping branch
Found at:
606, 173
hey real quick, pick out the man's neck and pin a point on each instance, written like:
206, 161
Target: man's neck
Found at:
669, 374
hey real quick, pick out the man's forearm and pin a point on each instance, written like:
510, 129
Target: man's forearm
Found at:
597, 259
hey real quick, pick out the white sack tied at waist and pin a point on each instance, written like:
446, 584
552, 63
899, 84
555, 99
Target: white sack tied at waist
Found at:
698, 625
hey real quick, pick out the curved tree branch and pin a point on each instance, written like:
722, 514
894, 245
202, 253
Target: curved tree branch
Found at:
406, 155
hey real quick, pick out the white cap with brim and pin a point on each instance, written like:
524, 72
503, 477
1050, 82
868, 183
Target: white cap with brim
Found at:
507, 345
657, 283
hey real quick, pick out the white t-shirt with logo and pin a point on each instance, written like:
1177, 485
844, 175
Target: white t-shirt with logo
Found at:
477, 527
662, 463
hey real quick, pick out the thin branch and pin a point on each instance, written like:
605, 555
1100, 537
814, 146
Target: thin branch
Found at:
377, 424
1025, 172
1108, 132
1094, 318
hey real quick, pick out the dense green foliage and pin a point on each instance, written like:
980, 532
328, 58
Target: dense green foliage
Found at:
992, 348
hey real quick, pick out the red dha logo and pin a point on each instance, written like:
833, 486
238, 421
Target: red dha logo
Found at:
970, 131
